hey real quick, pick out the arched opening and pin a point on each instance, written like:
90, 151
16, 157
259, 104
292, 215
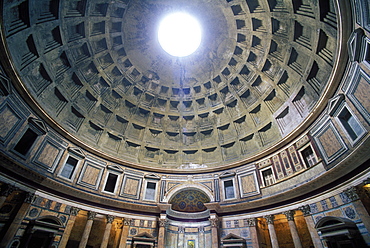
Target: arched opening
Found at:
40, 233
189, 200
339, 232
188, 221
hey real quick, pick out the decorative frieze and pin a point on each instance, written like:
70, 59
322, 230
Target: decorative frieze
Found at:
352, 193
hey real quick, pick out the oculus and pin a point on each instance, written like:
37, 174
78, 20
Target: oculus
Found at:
179, 34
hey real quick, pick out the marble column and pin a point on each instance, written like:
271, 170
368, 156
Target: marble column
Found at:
108, 227
272, 232
252, 223
13, 228
6, 190
85, 236
214, 230
124, 234
162, 221
353, 195
201, 237
117, 237
180, 242
67, 231
293, 228
306, 210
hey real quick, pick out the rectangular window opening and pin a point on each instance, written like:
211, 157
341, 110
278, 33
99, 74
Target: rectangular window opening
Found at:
69, 167
350, 124
229, 189
25, 143
110, 185
309, 157
150, 191
268, 177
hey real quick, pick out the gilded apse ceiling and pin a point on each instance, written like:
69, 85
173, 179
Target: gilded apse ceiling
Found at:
189, 201
97, 72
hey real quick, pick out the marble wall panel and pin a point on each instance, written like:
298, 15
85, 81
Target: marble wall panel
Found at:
330, 142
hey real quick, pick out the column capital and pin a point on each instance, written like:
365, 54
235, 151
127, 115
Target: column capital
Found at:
74, 211
306, 210
110, 219
289, 215
352, 193
270, 219
162, 222
201, 229
214, 221
91, 215
181, 229
30, 197
7, 189
251, 222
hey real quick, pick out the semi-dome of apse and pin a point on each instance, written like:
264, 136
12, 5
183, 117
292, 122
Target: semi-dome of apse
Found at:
98, 73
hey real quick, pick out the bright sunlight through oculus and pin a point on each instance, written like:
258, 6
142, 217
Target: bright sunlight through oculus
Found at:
179, 34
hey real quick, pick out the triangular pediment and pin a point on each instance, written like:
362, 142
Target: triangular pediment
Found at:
37, 125
334, 103
227, 174
354, 44
77, 151
232, 236
152, 176
115, 168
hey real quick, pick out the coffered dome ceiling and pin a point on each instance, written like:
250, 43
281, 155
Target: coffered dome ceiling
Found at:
96, 69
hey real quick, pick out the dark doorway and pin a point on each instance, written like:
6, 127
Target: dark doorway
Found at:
40, 233
340, 233
41, 239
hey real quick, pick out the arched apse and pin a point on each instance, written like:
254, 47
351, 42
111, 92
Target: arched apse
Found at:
189, 200
187, 186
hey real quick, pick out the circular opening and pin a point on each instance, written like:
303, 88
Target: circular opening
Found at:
179, 34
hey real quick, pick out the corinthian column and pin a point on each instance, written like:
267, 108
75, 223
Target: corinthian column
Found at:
252, 223
293, 228
162, 221
214, 228
86, 233
272, 232
13, 228
6, 190
180, 243
124, 235
306, 210
108, 227
201, 237
67, 231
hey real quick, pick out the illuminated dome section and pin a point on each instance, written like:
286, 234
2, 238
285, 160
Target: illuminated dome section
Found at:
108, 84
179, 34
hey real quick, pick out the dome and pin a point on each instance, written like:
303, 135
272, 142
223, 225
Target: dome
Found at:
106, 83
